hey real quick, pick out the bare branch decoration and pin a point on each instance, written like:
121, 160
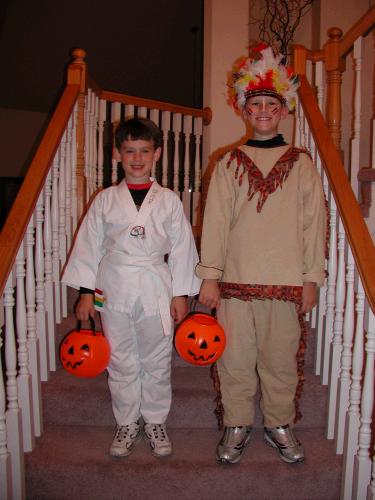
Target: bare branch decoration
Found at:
278, 21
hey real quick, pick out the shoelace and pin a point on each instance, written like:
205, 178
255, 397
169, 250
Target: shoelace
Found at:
156, 429
122, 432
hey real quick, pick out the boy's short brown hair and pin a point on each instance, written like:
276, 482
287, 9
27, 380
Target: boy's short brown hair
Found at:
138, 129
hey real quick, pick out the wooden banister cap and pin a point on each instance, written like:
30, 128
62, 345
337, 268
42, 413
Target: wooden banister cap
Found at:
335, 34
78, 55
207, 116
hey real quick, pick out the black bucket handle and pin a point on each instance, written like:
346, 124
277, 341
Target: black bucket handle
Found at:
92, 325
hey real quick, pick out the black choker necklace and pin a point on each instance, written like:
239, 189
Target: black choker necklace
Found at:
274, 142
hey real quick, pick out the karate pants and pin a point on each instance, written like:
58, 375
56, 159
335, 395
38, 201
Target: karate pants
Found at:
140, 365
262, 340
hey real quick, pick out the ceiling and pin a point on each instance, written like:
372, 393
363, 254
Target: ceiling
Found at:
151, 49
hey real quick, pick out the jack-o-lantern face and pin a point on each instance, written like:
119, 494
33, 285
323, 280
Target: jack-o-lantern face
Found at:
84, 353
200, 339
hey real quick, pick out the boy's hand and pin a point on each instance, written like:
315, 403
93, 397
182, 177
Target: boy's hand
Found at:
309, 297
85, 307
179, 308
209, 294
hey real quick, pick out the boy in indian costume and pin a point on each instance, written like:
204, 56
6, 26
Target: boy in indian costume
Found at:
262, 259
120, 253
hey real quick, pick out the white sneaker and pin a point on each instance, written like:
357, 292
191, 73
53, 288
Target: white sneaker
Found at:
125, 439
159, 440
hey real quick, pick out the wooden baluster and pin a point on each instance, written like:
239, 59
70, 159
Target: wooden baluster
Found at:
91, 164
353, 415
187, 192
87, 144
331, 289
196, 209
62, 217
142, 112
154, 116
297, 125
95, 131
115, 119
337, 333
74, 172
356, 133
55, 236
48, 267
32, 339
165, 126
13, 413
68, 184
102, 116
362, 461
23, 379
319, 82
177, 126
309, 71
321, 304
333, 102
5, 464
129, 111
312, 149
39, 291
302, 127
346, 355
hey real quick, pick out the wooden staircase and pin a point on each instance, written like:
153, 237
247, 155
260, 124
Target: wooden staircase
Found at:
45, 426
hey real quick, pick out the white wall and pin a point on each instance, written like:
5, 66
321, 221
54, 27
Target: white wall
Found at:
225, 39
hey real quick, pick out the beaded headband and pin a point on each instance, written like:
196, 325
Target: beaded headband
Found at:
263, 73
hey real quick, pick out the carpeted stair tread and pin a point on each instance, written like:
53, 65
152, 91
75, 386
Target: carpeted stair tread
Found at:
73, 463
71, 459
86, 401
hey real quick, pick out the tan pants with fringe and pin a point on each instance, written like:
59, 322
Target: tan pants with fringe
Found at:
262, 340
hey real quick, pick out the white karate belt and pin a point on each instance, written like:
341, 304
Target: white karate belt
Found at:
158, 289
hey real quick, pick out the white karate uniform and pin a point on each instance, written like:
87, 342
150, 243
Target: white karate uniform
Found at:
120, 252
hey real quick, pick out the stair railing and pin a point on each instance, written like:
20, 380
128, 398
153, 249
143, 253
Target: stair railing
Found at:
68, 168
344, 319
341, 60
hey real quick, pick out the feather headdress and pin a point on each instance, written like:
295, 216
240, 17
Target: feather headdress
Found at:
262, 73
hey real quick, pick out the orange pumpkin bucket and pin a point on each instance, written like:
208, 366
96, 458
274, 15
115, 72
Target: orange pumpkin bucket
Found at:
85, 353
199, 339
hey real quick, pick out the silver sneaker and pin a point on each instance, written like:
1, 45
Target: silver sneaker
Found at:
158, 439
288, 446
232, 444
126, 437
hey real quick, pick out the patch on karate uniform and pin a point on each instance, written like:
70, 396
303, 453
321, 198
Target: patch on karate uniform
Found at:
138, 231
99, 299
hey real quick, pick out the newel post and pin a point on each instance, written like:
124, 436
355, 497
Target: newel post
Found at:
77, 74
299, 59
334, 71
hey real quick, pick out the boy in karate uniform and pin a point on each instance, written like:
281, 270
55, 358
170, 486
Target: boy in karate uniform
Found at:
262, 260
120, 253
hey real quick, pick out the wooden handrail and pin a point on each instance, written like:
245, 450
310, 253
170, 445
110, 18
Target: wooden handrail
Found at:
360, 28
357, 232
205, 113
108, 95
23, 207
